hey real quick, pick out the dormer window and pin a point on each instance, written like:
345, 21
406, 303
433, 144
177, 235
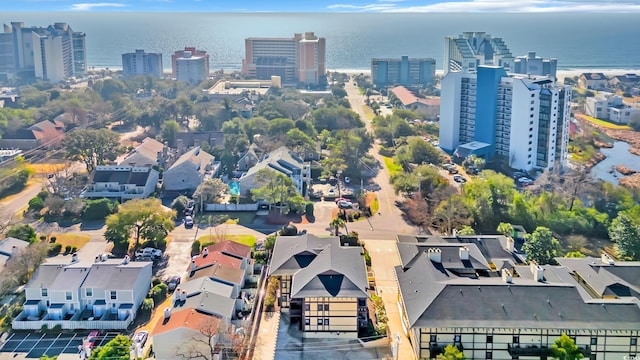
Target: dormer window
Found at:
44, 292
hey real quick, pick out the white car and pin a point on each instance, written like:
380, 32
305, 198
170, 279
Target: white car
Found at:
154, 253
344, 204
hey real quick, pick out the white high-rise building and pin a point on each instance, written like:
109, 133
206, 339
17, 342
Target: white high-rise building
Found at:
190, 65
472, 49
142, 63
521, 119
53, 53
535, 65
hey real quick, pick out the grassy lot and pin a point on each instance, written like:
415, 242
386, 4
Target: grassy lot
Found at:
373, 203
72, 240
368, 112
47, 168
235, 217
392, 167
605, 124
248, 240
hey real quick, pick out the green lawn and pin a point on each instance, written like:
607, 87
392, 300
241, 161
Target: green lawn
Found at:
242, 217
368, 112
606, 124
72, 240
248, 240
392, 167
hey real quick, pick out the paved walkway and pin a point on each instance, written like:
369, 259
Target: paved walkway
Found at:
267, 337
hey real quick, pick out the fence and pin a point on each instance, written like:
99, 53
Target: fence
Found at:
231, 207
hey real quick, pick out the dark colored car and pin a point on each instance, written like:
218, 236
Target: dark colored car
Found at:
173, 282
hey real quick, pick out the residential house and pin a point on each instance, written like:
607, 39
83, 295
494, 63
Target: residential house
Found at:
149, 153
207, 296
472, 292
190, 170
102, 295
283, 161
10, 247
611, 107
593, 81
121, 182
430, 107
626, 80
45, 134
184, 333
190, 139
322, 285
250, 158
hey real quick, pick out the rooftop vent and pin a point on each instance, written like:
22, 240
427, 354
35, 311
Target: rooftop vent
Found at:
167, 312
464, 253
606, 259
506, 276
435, 255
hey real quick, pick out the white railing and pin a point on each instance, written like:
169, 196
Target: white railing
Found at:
72, 324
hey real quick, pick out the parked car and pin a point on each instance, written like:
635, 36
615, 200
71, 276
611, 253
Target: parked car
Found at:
149, 251
173, 282
459, 179
144, 258
524, 181
453, 170
341, 199
332, 192
140, 338
343, 204
188, 222
91, 338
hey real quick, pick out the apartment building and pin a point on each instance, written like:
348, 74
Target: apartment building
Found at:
322, 285
283, 161
611, 107
101, 295
473, 293
403, 71
54, 53
142, 63
301, 58
535, 65
519, 118
472, 49
190, 65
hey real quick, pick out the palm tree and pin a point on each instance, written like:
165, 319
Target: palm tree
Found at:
337, 223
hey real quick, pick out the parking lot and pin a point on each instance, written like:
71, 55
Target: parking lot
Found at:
32, 345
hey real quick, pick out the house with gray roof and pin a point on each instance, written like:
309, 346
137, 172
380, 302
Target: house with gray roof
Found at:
475, 293
190, 170
207, 296
101, 295
10, 247
150, 152
322, 285
283, 161
121, 182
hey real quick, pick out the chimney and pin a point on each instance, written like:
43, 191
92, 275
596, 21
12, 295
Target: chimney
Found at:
510, 245
14, 250
606, 259
464, 253
97, 259
205, 252
506, 276
104, 257
193, 265
74, 258
126, 259
183, 295
538, 273
435, 255
167, 313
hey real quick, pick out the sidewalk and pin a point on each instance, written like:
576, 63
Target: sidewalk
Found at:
267, 336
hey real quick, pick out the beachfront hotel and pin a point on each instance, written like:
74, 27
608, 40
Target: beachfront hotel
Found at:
142, 63
475, 293
54, 53
535, 65
472, 49
300, 59
402, 71
190, 65
521, 119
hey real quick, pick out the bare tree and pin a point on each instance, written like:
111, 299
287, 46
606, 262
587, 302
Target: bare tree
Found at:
65, 182
21, 266
215, 336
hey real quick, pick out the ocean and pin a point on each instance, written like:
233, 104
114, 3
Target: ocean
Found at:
577, 40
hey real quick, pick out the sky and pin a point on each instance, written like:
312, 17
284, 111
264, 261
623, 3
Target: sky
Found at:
510, 6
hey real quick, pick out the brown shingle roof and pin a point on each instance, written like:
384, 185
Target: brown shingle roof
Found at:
188, 318
232, 248
404, 95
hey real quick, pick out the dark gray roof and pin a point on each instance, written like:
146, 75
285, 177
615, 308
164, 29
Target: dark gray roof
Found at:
280, 159
209, 303
621, 279
594, 76
440, 295
292, 253
121, 175
336, 272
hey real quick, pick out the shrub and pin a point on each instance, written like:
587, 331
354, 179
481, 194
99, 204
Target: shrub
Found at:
57, 329
74, 249
180, 204
356, 216
23, 232
54, 249
195, 247
155, 281
44, 328
147, 305
289, 230
43, 237
67, 249
53, 239
158, 293
36, 204
309, 209
97, 209
269, 302
367, 258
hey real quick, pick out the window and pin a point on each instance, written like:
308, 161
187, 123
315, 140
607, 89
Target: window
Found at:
319, 307
326, 321
594, 341
319, 321
307, 321
489, 355
284, 284
433, 338
307, 307
516, 339
114, 295
44, 292
88, 292
456, 338
67, 295
489, 339
326, 307
634, 341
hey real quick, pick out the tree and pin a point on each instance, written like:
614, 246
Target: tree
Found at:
23, 232
180, 204
466, 230
541, 246
505, 229
21, 266
337, 223
564, 348
170, 129
451, 352
209, 191
141, 218
116, 349
92, 147
275, 187
625, 232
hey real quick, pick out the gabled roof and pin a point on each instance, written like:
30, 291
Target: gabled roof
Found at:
8, 245
405, 96
336, 272
281, 159
214, 258
620, 279
220, 272
188, 319
43, 130
194, 287
231, 248
292, 253
207, 302
113, 274
122, 175
195, 138
145, 153
198, 159
594, 76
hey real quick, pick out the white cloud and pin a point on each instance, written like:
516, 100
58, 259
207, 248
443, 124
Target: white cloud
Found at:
90, 6
499, 6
